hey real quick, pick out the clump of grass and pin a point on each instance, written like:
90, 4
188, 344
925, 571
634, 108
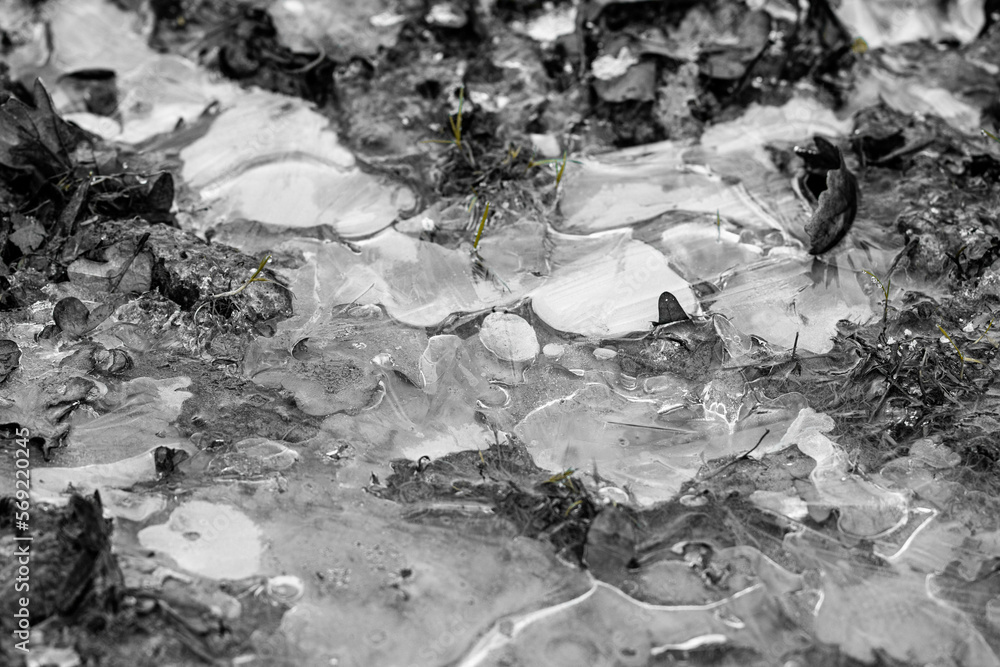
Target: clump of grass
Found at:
455, 125
561, 162
885, 287
255, 277
964, 359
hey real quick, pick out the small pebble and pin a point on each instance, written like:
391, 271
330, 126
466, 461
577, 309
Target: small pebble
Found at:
285, 588
691, 500
553, 351
509, 337
604, 353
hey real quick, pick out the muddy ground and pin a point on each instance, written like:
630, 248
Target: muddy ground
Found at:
482, 120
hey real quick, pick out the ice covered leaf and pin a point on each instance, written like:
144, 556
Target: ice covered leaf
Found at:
838, 205
327, 382
214, 540
332, 359
71, 316
737, 343
42, 401
509, 337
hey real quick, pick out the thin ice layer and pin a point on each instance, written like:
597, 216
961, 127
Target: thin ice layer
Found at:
274, 159
780, 298
610, 291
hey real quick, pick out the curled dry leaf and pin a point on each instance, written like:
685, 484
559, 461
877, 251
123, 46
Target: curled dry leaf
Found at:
669, 310
838, 205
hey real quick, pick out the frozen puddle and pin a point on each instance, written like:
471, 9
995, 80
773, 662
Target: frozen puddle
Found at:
213, 540
273, 159
624, 338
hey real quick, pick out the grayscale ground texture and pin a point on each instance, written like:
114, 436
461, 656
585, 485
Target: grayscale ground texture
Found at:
499, 333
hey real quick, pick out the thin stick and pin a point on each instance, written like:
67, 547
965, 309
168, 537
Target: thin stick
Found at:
128, 264
739, 458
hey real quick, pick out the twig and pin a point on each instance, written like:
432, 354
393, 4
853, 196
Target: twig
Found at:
739, 458
128, 264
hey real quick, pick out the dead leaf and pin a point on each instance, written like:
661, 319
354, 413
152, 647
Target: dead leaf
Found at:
838, 205
71, 316
37, 138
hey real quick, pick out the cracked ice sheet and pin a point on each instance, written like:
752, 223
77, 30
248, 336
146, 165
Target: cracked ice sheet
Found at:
730, 172
866, 608
423, 284
651, 457
781, 296
420, 284
895, 616
605, 626
865, 509
459, 581
155, 91
116, 449
275, 159
620, 282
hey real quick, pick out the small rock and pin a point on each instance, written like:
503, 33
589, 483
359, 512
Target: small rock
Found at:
553, 351
447, 15
509, 337
285, 589
693, 500
603, 353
